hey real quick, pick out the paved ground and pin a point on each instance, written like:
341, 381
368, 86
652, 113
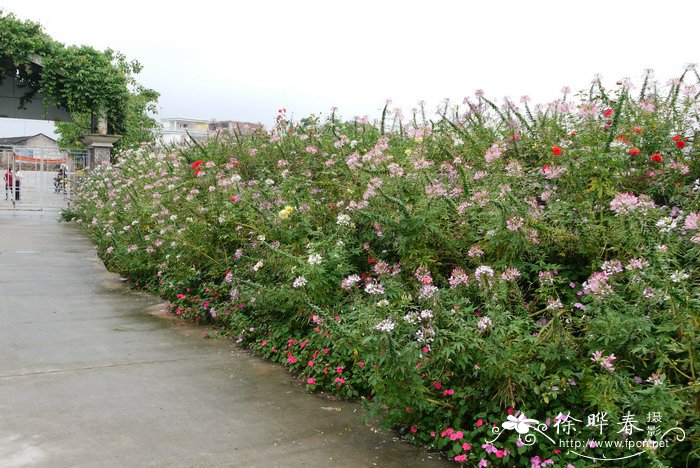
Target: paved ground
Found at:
36, 192
89, 378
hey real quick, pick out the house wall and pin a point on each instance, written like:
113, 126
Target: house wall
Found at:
40, 141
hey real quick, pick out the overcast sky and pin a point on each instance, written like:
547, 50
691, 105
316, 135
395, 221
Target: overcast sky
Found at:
242, 60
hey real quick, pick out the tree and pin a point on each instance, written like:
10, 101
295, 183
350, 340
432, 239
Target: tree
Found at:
80, 79
136, 117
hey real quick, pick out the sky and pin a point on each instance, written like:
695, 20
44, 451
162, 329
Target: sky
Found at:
243, 60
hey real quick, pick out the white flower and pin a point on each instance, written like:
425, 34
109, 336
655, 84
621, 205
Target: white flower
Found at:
374, 288
350, 281
666, 224
343, 220
269, 182
411, 318
484, 324
382, 303
315, 259
258, 266
521, 424
427, 291
678, 276
426, 314
386, 325
299, 282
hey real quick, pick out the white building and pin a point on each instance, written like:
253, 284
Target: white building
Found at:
176, 129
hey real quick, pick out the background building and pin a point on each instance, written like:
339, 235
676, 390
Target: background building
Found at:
33, 141
176, 129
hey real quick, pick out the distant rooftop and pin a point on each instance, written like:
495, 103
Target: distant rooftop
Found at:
20, 139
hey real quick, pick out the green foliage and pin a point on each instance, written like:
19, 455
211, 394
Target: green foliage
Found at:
495, 261
79, 79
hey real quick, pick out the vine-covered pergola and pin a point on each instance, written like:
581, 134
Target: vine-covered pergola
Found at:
43, 79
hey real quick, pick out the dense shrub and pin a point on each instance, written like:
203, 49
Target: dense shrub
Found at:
490, 261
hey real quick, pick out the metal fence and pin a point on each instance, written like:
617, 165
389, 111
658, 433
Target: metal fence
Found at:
38, 178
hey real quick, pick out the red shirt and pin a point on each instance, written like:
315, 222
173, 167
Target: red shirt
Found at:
8, 178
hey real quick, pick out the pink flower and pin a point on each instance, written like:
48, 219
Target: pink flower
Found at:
447, 432
461, 458
479, 422
423, 275
448, 392
466, 446
456, 435
311, 381
413, 430
361, 364
310, 363
339, 380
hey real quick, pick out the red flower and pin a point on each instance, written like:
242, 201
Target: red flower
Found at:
556, 151
234, 198
634, 151
657, 158
197, 163
608, 112
637, 130
676, 138
680, 144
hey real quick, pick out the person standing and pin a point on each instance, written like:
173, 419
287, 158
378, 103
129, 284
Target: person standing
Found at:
9, 184
18, 179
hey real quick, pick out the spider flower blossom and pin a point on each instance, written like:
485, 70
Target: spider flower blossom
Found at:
510, 274
286, 212
423, 275
343, 220
386, 325
427, 291
374, 287
610, 267
626, 203
494, 152
299, 282
315, 259
597, 284
350, 281
483, 274
484, 324
514, 223
604, 361
458, 276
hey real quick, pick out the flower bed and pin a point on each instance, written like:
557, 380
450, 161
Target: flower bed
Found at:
464, 275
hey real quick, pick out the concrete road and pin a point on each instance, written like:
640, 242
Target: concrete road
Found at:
89, 378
